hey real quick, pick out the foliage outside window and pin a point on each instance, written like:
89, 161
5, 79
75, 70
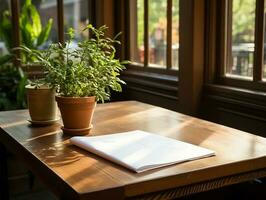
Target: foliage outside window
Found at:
242, 38
245, 43
33, 35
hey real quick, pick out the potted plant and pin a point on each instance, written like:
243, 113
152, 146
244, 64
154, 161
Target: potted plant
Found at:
41, 103
81, 76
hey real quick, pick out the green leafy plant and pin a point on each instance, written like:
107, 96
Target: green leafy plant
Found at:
88, 70
6, 29
32, 33
12, 85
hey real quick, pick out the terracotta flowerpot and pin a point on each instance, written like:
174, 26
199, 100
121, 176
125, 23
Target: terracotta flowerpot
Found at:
77, 113
42, 105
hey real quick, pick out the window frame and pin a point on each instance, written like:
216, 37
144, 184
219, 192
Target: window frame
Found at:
186, 83
146, 66
223, 48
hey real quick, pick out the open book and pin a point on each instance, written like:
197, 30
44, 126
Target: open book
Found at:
140, 151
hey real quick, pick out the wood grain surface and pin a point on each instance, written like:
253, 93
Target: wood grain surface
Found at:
73, 173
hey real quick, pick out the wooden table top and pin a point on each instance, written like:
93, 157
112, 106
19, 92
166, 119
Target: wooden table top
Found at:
76, 174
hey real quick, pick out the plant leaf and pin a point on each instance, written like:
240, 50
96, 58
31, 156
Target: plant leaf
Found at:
6, 30
45, 32
36, 21
30, 24
25, 26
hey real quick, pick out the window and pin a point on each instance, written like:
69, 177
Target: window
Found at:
154, 33
242, 49
242, 34
64, 13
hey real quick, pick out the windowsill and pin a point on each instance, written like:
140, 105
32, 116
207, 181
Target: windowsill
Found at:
150, 75
151, 79
244, 96
242, 84
156, 70
238, 77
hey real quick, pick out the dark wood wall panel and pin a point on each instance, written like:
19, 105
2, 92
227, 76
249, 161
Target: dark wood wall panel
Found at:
151, 88
151, 97
238, 109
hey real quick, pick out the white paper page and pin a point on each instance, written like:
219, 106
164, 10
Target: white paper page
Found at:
141, 151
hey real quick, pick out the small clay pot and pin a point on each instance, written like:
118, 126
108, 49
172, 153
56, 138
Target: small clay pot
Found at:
76, 113
42, 105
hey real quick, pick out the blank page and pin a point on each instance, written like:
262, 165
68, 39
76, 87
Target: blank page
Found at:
141, 151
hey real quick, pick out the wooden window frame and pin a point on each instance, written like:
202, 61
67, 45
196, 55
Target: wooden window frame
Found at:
146, 67
216, 69
184, 86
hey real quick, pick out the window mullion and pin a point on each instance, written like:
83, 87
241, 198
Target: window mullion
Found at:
169, 34
259, 41
15, 27
146, 33
228, 38
92, 13
60, 16
225, 35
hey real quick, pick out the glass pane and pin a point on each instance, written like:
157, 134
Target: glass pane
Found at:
175, 34
48, 10
5, 36
77, 17
137, 31
157, 33
243, 28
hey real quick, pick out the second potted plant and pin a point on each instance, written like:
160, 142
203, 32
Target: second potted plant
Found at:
81, 76
41, 103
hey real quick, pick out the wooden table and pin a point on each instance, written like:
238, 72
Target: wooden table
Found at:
72, 173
